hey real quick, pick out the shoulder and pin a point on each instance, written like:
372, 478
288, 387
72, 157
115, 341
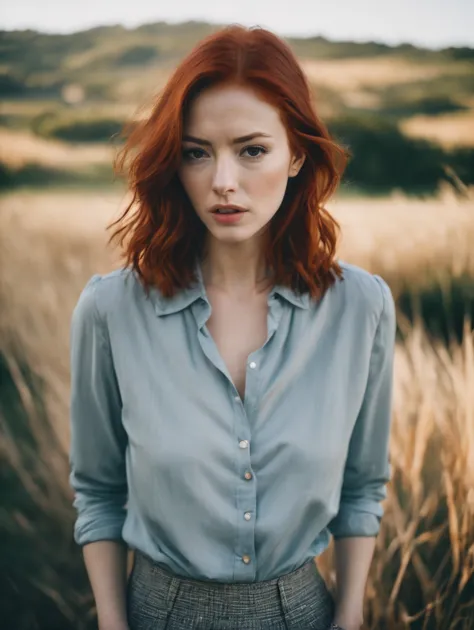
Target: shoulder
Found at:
104, 293
363, 291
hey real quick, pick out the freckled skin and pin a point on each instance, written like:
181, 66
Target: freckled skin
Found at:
239, 174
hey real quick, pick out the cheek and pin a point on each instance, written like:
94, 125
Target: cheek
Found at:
195, 185
270, 183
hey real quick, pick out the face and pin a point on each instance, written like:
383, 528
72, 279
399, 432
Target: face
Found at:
235, 151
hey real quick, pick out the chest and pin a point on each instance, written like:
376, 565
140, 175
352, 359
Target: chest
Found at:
238, 328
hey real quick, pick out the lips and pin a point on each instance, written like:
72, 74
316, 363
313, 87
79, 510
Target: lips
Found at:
228, 218
227, 209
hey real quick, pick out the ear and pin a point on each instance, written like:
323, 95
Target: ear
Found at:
295, 166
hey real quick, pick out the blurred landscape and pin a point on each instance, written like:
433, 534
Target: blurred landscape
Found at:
406, 207
407, 113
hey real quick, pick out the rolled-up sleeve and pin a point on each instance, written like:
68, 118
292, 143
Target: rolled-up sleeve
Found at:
368, 468
98, 440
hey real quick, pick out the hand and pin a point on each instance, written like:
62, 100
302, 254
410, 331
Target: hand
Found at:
350, 626
348, 619
117, 626
113, 622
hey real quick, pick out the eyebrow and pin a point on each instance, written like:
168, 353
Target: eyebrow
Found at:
250, 136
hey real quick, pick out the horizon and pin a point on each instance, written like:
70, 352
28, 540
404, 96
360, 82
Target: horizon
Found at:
362, 41
444, 23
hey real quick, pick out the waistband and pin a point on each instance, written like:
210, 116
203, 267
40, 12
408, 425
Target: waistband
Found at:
303, 588
143, 562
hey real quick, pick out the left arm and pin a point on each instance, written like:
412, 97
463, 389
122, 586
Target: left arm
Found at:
353, 557
366, 473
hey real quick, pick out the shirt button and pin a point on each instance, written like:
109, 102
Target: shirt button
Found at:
237, 398
252, 365
247, 516
246, 559
248, 475
243, 443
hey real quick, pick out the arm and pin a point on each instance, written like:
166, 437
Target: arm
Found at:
97, 458
106, 564
353, 557
366, 473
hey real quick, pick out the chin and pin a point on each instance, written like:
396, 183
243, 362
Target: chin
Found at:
231, 234
231, 238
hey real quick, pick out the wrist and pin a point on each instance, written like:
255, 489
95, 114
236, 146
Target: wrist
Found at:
113, 624
345, 623
348, 618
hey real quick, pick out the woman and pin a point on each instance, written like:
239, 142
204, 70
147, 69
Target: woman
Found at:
231, 384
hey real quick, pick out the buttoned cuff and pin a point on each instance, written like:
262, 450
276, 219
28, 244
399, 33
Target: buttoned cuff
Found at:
86, 532
356, 519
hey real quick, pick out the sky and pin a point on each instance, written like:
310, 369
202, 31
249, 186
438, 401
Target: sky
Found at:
427, 23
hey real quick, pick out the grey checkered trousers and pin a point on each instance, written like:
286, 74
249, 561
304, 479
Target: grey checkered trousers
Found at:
159, 600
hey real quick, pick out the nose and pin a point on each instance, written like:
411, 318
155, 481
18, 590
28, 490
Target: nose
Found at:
225, 176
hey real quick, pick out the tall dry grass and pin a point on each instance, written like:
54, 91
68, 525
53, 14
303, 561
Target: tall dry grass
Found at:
423, 570
422, 575
409, 240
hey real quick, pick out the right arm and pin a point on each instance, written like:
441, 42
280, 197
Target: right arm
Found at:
106, 564
97, 459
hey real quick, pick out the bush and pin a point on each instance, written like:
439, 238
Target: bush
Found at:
76, 128
442, 305
459, 53
136, 55
428, 105
6, 176
462, 163
34, 175
11, 86
382, 158
15, 86
87, 131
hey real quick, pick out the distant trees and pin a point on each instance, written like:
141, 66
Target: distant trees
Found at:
382, 158
76, 127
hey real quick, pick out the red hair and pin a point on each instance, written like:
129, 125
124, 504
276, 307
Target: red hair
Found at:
164, 235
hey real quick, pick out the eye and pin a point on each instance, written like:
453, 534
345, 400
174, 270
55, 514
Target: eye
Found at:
196, 155
188, 154
253, 148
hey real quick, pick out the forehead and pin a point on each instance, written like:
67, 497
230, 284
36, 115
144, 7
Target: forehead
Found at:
234, 108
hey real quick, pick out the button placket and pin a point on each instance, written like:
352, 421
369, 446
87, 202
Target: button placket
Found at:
245, 564
251, 382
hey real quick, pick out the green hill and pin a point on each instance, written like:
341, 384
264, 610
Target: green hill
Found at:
36, 64
82, 87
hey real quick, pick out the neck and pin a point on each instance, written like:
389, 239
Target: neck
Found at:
235, 268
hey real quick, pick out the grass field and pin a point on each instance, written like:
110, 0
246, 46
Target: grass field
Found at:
423, 572
345, 74
447, 130
53, 240
18, 148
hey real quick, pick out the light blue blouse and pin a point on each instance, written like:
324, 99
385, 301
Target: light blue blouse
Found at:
166, 456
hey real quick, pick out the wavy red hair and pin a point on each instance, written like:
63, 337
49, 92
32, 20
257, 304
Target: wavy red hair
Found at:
164, 236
